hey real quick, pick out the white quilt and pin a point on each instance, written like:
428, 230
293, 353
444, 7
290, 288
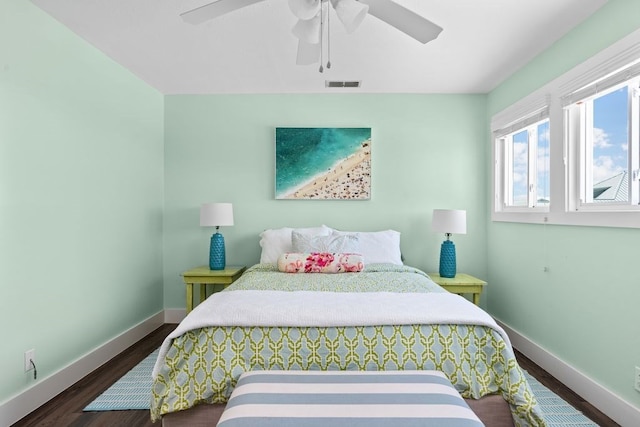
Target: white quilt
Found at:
308, 309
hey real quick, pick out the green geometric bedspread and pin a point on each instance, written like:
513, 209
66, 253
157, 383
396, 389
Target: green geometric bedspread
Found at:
203, 365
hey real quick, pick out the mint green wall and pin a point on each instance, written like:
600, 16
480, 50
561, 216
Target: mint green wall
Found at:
427, 152
81, 198
81, 185
585, 309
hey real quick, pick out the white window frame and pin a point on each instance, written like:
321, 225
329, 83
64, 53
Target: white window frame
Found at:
564, 172
578, 120
503, 170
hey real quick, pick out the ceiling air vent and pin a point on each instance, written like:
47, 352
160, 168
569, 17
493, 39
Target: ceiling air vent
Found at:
330, 83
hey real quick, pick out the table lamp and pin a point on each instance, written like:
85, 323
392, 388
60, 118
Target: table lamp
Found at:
216, 215
448, 221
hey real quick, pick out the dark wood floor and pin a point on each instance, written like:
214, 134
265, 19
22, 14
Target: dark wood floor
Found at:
66, 408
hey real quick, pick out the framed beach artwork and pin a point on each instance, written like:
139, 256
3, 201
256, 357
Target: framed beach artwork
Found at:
323, 163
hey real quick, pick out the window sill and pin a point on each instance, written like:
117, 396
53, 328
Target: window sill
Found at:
620, 219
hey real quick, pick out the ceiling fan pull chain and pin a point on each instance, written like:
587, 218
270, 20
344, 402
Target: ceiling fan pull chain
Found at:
321, 36
328, 37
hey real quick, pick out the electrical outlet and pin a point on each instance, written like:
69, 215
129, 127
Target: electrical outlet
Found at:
637, 379
29, 355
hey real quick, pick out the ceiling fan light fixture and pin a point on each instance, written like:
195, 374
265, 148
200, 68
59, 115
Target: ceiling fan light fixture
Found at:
305, 9
350, 12
308, 30
308, 53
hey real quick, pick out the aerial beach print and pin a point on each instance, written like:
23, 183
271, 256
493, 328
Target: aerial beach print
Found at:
323, 163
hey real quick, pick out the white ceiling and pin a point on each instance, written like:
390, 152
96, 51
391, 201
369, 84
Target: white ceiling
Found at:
252, 50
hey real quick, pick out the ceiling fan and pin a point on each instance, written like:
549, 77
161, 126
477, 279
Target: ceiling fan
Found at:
313, 18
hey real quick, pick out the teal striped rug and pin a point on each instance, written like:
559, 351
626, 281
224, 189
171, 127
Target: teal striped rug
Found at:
557, 412
133, 391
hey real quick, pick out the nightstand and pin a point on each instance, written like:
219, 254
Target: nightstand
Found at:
461, 284
203, 276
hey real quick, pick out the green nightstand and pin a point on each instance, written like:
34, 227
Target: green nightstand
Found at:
461, 284
204, 276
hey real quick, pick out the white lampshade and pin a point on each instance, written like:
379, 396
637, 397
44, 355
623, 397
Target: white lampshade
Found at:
305, 9
216, 214
350, 12
449, 221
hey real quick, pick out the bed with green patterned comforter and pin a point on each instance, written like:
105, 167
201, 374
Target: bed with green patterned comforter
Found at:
387, 317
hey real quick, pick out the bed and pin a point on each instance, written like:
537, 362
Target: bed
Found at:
385, 317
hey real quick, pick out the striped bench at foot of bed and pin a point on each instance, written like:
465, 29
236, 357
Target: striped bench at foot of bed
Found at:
346, 398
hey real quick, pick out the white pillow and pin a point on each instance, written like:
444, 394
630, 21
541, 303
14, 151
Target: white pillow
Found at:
275, 242
333, 243
378, 246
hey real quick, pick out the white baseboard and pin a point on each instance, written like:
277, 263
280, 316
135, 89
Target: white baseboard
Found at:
174, 315
612, 405
17, 407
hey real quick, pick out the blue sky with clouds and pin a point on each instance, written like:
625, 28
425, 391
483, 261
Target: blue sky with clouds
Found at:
521, 167
611, 135
610, 146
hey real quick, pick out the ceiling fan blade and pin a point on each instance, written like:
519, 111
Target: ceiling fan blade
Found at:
403, 19
214, 10
308, 53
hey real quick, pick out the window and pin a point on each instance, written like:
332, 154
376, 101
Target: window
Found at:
522, 163
602, 137
569, 153
526, 166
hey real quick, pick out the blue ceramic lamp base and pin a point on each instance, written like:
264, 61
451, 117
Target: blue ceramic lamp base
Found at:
217, 259
447, 259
